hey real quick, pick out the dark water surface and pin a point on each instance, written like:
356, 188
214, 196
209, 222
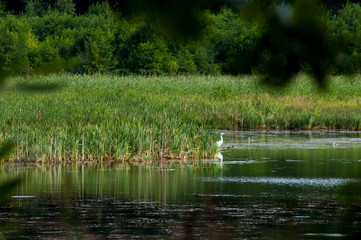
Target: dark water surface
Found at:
281, 185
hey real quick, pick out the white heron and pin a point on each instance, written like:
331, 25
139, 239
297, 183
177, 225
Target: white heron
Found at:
220, 142
334, 144
250, 140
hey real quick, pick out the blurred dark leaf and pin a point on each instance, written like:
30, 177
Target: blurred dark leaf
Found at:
38, 87
351, 192
51, 67
8, 187
60, 65
6, 148
293, 39
16, 66
255, 10
4, 75
180, 18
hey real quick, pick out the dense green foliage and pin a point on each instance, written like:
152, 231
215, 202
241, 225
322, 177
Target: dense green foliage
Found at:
347, 26
102, 41
108, 117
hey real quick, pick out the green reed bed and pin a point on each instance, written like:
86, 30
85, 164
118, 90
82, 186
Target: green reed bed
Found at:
104, 117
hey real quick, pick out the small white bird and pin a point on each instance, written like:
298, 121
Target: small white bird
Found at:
250, 140
334, 144
220, 142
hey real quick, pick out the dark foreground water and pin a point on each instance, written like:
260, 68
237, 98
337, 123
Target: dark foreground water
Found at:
281, 185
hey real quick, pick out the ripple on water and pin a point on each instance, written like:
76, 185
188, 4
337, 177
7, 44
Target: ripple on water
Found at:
316, 182
25, 196
240, 162
294, 160
223, 195
333, 235
282, 139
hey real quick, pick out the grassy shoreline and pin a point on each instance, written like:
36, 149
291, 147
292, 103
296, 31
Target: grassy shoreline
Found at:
103, 117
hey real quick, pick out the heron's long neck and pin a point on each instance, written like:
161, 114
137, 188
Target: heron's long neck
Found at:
221, 138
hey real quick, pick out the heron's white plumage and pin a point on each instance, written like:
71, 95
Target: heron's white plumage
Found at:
220, 142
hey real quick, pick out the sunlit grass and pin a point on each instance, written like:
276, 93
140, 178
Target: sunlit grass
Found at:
104, 117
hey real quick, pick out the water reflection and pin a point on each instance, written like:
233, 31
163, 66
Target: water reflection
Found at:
282, 185
219, 157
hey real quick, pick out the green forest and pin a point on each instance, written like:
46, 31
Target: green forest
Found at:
101, 39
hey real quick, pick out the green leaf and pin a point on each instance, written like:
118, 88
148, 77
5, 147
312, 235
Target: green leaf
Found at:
6, 148
8, 187
38, 87
350, 192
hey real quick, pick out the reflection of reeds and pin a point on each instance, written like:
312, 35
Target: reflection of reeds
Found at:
142, 181
122, 118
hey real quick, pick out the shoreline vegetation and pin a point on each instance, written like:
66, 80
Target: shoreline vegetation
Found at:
139, 118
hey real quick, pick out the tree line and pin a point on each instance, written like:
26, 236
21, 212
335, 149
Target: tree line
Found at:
103, 39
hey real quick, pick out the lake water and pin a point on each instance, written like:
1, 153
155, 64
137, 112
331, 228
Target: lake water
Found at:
281, 185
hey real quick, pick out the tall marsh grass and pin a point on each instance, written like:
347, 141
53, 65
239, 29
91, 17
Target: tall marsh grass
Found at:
102, 117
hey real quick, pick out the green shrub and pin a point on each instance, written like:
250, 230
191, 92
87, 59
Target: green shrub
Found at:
239, 54
54, 23
346, 26
355, 60
12, 45
143, 50
185, 60
65, 6
2, 9
98, 52
43, 53
101, 9
35, 8
224, 28
204, 60
148, 58
9, 42
231, 41
65, 41
171, 67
